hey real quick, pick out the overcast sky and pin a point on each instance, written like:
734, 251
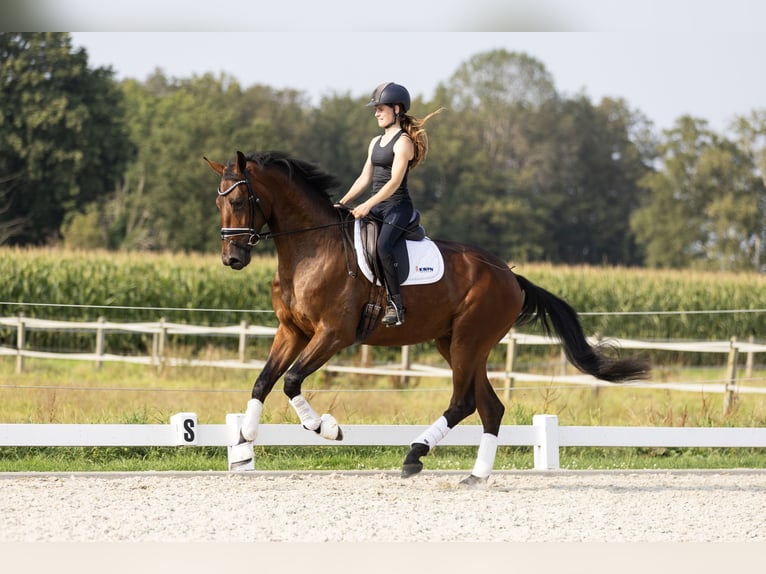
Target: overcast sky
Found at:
666, 58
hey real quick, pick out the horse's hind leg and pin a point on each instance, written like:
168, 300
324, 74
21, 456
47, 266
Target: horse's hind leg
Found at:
471, 391
462, 405
286, 346
428, 440
491, 411
320, 348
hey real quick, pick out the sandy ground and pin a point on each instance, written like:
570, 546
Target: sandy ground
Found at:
524, 506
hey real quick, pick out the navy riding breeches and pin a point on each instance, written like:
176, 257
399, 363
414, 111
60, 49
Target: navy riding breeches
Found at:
395, 218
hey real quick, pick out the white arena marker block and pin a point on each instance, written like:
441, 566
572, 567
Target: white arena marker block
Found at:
185, 425
546, 442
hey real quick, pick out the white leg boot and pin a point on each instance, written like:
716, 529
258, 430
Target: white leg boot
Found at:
252, 420
325, 426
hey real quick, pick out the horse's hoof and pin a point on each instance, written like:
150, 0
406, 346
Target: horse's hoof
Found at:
241, 456
473, 481
411, 469
240, 464
412, 464
329, 428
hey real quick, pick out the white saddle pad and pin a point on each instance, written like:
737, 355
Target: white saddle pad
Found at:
426, 261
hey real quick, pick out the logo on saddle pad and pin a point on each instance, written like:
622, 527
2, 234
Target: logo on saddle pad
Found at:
426, 264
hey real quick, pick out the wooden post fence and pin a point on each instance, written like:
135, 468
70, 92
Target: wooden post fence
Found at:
20, 343
730, 396
242, 341
100, 342
511, 353
404, 380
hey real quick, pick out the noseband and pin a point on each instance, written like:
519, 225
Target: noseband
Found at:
228, 232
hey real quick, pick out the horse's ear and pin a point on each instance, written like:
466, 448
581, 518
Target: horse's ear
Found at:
241, 162
216, 167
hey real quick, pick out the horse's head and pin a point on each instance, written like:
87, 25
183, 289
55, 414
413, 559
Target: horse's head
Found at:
241, 215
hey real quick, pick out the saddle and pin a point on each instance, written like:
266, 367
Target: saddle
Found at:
369, 231
419, 261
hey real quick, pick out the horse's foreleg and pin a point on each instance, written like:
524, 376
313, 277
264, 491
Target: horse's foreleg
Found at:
287, 344
309, 417
325, 426
322, 346
252, 420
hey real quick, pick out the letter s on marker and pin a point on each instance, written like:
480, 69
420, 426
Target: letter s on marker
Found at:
189, 428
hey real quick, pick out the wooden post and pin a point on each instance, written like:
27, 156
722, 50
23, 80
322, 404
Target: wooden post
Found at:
161, 340
730, 396
155, 348
750, 359
365, 356
511, 353
404, 380
100, 342
20, 343
242, 340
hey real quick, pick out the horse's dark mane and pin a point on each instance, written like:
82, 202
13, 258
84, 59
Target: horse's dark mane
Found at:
309, 173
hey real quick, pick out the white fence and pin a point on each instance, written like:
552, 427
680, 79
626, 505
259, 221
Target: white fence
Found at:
545, 436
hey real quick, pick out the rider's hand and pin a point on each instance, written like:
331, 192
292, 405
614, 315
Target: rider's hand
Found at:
361, 210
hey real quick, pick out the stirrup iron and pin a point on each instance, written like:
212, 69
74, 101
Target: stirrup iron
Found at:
394, 312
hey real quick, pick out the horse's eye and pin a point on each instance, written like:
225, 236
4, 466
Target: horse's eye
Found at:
237, 204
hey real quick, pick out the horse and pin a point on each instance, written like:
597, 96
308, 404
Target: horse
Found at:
319, 302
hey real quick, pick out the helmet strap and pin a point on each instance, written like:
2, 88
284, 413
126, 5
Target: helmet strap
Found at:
396, 116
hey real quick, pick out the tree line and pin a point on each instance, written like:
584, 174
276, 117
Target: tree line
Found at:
514, 166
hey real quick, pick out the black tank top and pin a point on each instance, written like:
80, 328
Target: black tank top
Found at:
382, 161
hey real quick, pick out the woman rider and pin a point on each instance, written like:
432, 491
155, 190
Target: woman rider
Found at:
402, 146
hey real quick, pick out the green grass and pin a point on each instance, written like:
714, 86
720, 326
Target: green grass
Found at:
81, 459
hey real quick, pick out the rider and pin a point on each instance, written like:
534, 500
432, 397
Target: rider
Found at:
402, 146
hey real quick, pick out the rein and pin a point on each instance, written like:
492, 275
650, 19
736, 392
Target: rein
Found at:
253, 236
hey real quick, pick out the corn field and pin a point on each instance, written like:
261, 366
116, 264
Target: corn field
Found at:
196, 289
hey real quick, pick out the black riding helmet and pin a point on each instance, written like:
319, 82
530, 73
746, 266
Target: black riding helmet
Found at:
390, 93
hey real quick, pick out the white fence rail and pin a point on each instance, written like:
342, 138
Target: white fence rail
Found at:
545, 436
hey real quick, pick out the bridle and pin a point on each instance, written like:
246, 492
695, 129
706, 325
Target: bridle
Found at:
253, 236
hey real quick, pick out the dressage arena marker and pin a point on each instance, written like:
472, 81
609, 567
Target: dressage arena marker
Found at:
185, 425
544, 435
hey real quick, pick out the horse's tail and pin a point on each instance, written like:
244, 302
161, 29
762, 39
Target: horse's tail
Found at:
555, 315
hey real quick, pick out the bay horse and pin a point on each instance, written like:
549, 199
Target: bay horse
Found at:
319, 303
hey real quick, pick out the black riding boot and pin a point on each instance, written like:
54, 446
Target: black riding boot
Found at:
394, 311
